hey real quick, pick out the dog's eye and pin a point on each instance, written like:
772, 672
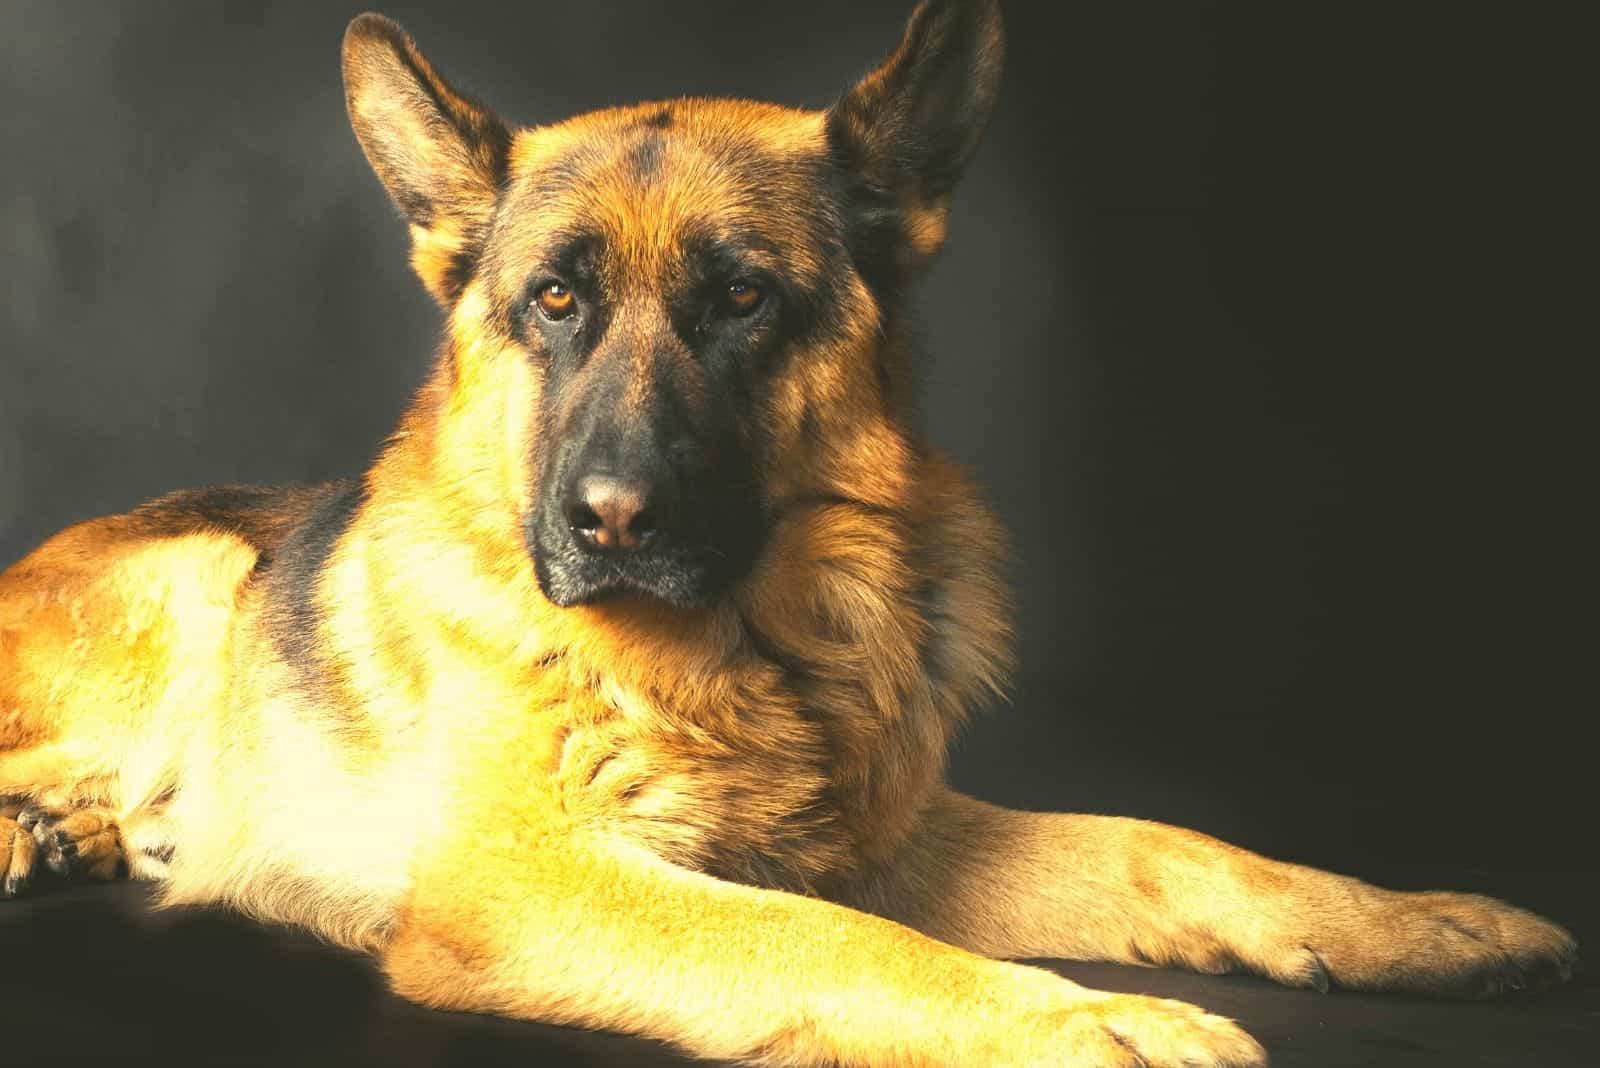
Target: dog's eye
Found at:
555, 301
741, 299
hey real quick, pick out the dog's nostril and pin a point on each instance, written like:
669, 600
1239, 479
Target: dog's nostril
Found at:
581, 517
643, 527
612, 513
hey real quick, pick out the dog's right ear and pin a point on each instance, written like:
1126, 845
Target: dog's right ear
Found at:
440, 154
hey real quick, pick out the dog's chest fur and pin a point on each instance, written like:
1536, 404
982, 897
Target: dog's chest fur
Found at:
784, 738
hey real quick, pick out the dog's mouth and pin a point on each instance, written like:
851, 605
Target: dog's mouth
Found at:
676, 571
677, 579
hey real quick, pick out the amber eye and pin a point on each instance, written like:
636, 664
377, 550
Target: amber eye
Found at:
742, 298
555, 300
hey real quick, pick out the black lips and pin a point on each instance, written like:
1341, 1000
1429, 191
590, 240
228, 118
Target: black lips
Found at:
686, 565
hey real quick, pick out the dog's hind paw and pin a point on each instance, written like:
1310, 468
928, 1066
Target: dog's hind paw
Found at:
77, 843
19, 856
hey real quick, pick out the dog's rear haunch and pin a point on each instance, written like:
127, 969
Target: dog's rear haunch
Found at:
617, 692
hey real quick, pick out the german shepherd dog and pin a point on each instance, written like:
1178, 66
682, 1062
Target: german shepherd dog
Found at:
617, 692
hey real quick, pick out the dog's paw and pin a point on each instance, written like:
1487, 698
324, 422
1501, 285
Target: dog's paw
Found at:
1130, 1031
1460, 945
1479, 947
1034, 1018
19, 858
81, 843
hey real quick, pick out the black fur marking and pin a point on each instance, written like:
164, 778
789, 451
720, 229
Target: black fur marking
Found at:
576, 259
463, 263
294, 618
660, 120
645, 156
261, 516
251, 512
414, 205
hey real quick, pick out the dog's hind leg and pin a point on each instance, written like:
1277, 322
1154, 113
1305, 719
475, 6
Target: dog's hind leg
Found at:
1033, 884
114, 645
81, 843
19, 853
21, 856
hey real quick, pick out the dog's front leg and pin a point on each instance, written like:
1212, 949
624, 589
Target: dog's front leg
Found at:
582, 933
1026, 884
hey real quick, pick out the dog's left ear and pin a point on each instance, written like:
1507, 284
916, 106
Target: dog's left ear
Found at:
439, 153
906, 132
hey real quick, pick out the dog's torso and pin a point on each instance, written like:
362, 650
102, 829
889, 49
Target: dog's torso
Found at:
324, 681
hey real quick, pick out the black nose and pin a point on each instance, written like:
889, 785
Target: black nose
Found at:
614, 514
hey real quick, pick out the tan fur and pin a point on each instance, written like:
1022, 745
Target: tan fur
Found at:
689, 823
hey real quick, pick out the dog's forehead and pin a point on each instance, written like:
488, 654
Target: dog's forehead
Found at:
650, 178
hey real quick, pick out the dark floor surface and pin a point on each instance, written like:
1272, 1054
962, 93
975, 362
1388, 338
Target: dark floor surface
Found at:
93, 975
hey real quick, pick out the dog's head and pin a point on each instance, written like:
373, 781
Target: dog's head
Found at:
679, 318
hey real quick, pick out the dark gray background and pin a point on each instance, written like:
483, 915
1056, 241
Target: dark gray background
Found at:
1256, 325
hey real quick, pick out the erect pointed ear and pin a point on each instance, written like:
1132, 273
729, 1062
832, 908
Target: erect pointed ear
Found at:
908, 129
440, 154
